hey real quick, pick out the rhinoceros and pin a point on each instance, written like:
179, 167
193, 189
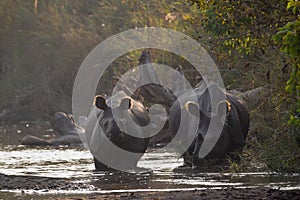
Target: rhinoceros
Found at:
235, 124
66, 130
235, 115
107, 141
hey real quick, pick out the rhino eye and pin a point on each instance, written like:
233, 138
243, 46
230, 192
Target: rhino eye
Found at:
105, 124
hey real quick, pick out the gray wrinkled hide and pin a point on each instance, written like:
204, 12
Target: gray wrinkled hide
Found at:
117, 148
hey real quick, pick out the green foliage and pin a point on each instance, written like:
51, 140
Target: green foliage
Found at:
294, 5
242, 26
289, 39
239, 35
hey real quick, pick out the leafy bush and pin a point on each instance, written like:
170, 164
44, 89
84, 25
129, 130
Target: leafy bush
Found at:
240, 36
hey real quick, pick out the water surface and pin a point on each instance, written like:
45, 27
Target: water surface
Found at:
157, 171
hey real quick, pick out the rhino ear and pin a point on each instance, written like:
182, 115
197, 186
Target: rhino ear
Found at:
125, 103
193, 109
223, 104
100, 102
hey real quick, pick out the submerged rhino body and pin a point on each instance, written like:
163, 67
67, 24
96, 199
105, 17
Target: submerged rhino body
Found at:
101, 129
66, 130
191, 118
107, 141
234, 128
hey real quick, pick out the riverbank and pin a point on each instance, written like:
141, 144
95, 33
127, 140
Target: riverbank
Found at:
226, 193
29, 187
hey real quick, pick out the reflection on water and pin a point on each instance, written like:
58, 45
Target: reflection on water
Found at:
157, 171
46, 162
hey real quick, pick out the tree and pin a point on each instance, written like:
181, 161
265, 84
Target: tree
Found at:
260, 40
246, 27
289, 39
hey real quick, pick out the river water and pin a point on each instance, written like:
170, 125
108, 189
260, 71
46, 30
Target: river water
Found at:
159, 171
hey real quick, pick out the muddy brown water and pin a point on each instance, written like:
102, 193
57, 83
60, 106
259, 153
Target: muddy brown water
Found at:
158, 170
